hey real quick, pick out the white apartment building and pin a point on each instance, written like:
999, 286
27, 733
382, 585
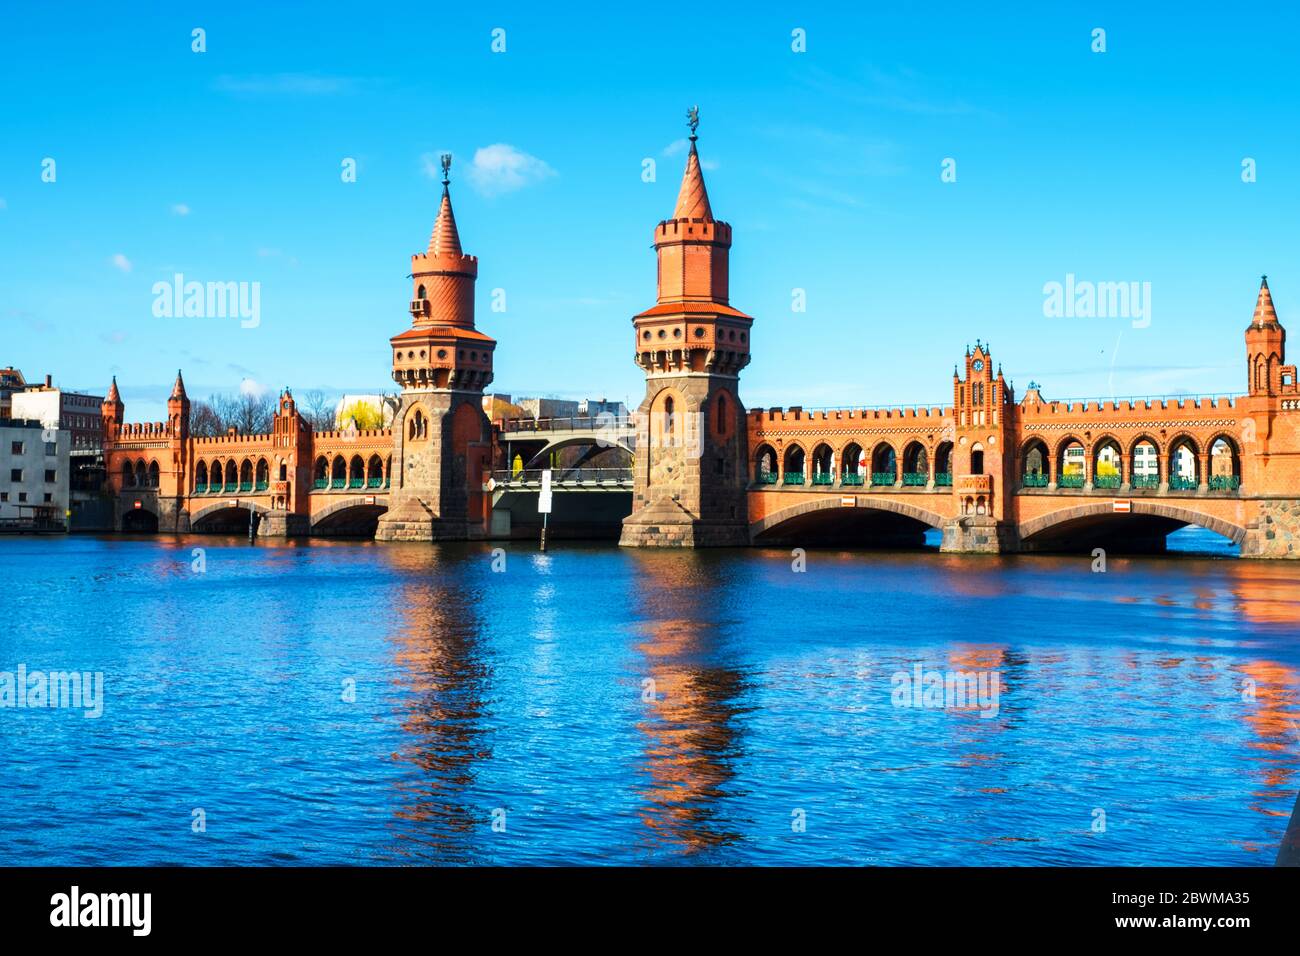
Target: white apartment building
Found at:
34, 486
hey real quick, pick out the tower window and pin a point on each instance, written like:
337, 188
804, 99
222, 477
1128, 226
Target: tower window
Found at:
419, 293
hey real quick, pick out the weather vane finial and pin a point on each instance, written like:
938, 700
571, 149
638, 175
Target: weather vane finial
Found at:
446, 168
693, 120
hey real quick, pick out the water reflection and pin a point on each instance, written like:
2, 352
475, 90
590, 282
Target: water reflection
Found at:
444, 684
692, 733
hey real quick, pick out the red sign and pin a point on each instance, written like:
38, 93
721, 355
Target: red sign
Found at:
138, 505
1122, 506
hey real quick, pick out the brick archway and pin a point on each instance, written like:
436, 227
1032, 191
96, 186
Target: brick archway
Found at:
777, 518
219, 506
344, 504
1235, 533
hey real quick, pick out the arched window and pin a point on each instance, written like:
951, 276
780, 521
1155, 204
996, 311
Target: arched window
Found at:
321, 472
823, 465
262, 478
765, 465
943, 465
1184, 475
1225, 465
977, 459
141, 474
853, 465
216, 475
128, 475
246, 475
232, 476
357, 473
1034, 459
153, 474
1107, 465
374, 472
419, 293
722, 414
1144, 468
201, 477
916, 465
792, 473
884, 465
1070, 464
339, 474
670, 417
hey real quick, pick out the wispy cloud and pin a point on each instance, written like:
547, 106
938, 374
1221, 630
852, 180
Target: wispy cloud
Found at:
180, 209
120, 262
502, 168
3, 204
285, 84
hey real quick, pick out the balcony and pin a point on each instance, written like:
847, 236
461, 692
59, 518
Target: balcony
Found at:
1181, 483
943, 479
975, 485
338, 483
1035, 479
375, 482
1146, 481
1105, 481
261, 486
200, 487
766, 478
851, 478
792, 478
1225, 482
321, 483
1073, 480
883, 478
915, 479
823, 478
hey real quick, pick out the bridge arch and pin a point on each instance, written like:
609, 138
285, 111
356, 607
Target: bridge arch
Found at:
603, 442
900, 519
354, 516
1085, 524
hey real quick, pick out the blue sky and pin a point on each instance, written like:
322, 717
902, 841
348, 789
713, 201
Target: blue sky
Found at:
225, 166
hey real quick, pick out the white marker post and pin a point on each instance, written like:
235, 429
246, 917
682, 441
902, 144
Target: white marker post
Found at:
544, 502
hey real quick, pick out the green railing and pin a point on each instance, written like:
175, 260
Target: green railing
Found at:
1145, 481
915, 479
1178, 483
851, 478
245, 486
1035, 479
792, 478
943, 479
1224, 482
262, 485
200, 488
321, 483
766, 478
1105, 481
356, 482
1070, 481
376, 482
338, 483
883, 478
823, 478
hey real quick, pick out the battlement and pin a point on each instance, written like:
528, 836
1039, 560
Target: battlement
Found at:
451, 263
361, 434
230, 440
1144, 406
797, 413
144, 430
697, 230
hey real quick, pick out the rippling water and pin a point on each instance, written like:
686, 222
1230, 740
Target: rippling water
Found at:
637, 706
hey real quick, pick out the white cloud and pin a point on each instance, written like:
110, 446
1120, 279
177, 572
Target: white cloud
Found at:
676, 146
501, 168
121, 262
250, 386
181, 209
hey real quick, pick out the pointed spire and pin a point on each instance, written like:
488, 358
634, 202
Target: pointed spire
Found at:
1265, 314
178, 390
445, 240
693, 198
113, 395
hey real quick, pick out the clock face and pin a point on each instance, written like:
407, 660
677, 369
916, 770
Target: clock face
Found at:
977, 365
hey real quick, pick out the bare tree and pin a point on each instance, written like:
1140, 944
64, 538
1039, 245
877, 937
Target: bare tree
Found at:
204, 420
252, 414
317, 408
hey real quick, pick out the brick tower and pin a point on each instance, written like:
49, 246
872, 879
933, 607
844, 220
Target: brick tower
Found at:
691, 444
441, 438
981, 462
